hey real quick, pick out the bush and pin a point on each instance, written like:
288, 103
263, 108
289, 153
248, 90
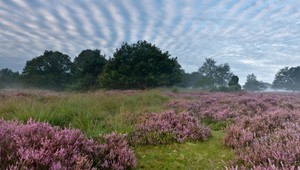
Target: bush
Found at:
246, 129
40, 146
168, 127
280, 149
115, 152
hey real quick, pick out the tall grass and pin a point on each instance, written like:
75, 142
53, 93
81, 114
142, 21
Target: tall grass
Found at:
94, 113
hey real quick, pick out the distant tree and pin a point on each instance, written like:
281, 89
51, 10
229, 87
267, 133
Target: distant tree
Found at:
234, 84
86, 68
50, 70
190, 80
252, 84
140, 65
8, 78
287, 78
212, 75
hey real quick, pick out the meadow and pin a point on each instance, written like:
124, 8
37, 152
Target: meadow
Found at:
164, 129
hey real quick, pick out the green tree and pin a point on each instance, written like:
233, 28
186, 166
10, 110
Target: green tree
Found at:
212, 75
9, 79
287, 78
140, 65
234, 84
86, 68
252, 84
190, 80
50, 70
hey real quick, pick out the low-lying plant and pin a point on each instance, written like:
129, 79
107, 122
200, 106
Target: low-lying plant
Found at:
246, 129
37, 145
168, 127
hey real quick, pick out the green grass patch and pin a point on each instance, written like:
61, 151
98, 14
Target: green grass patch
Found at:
216, 125
210, 154
94, 113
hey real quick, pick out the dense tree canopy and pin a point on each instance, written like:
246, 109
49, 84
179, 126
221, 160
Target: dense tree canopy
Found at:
212, 75
287, 78
8, 78
234, 84
50, 70
86, 68
252, 84
140, 65
190, 80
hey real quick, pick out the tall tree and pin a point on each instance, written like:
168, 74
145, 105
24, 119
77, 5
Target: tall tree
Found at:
86, 68
214, 76
140, 65
287, 78
190, 80
8, 78
252, 84
50, 70
234, 84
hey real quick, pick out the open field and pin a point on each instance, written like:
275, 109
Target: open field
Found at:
238, 124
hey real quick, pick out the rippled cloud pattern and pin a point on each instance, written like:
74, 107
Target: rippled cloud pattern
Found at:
253, 36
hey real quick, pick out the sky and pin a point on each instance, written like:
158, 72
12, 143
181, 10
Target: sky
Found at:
252, 36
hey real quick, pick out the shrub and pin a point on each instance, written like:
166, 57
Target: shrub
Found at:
40, 146
168, 127
280, 149
115, 152
246, 129
229, 106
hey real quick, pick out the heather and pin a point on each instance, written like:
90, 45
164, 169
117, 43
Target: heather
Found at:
246, 129
229, 106
175, 130
262, 128
168, 127
37, 145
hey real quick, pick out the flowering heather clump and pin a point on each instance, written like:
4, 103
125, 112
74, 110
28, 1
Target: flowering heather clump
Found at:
40, 146
266, 126
280, 149
168, 127
246, 129
224, 106
116, 153
8, 148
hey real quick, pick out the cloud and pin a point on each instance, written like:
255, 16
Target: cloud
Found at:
253, 36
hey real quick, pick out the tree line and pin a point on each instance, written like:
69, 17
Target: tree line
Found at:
140, 65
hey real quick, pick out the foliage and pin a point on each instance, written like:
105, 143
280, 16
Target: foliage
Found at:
233, 84
168, 127
50, 70
86, 68
213, 75
9, 79
138, 66
287, 78
40, 146
190, 80
252, 84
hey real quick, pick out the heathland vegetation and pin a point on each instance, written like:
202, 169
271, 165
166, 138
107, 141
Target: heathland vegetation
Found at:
120, 113
152, 129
